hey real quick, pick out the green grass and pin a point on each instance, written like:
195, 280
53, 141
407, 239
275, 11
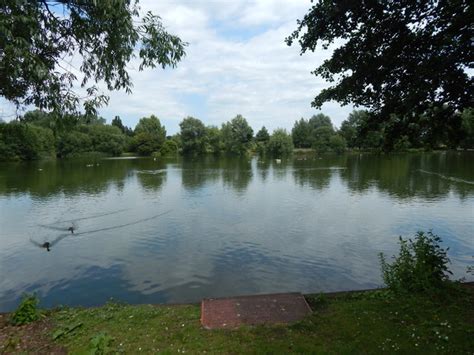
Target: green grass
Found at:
371, 322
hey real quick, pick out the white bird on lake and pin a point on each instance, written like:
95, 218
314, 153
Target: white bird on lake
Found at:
278, 161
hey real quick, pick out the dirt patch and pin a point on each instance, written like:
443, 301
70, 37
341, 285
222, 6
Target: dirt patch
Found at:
29, 338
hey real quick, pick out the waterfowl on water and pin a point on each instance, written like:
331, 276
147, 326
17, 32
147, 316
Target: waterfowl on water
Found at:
48, 245
71, 229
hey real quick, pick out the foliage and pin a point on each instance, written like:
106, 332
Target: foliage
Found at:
337, 144
100, 344
262, 136
104, 138
37, 36
145, 144
319, 120
20, 141
386, 58
421, 266
280, 143
193, 135
117, 122
467, 117
237, 135
149, 136
177, 139
151, 125
315, 132
402, 144
301, 134
169, 148
27, 311
74, 143
321, 139
214, 139
91, 138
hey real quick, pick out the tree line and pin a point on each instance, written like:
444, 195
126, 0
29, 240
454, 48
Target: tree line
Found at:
38, 134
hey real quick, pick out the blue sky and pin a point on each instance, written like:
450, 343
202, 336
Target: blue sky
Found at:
236, 63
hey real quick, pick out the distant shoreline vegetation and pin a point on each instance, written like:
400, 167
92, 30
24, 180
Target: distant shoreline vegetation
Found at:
40, 135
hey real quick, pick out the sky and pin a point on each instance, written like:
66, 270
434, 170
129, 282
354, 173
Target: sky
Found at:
236, 63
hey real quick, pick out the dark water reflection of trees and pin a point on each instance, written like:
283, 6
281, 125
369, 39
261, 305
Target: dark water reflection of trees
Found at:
429, 175
425, 175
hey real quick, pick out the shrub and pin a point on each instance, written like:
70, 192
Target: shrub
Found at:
100, 344
27, 311
421, 265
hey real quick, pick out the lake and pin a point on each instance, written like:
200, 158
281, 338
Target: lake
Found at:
179, 229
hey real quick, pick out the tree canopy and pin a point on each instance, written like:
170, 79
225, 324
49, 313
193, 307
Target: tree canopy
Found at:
38, 39
406, 58
237, 135
193, 135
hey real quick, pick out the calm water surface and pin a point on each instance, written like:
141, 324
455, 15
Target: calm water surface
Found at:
178, 230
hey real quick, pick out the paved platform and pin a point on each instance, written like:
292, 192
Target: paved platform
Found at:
228, 313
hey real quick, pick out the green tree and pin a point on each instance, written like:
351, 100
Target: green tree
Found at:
57, 123
151, 125
149, 136
21, 141
362, 132
337, 143
193, 135
177, 139
117, 122
214, 139
106, 35
321, 138
467, 128
105, 138
237, 135
169, 148
280, 143
387, 56
301, 134
319, 120
74, 143
262, 136
145, 144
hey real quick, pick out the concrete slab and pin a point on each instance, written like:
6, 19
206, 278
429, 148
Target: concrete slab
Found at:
228, 313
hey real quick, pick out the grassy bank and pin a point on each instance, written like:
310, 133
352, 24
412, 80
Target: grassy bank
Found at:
368, 322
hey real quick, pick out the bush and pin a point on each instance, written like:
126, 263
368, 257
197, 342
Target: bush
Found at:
421, 265
27, 311
100, 344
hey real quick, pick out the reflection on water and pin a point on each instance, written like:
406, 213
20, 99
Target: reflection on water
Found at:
180, 229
